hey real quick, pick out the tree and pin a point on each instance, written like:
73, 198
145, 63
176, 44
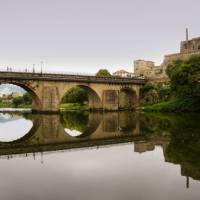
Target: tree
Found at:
185, 79
75, 95
17, 101
103, 73
27, 99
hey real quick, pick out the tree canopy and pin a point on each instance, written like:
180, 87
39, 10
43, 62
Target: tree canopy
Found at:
185, 78
103, 73
22, 100
75, 95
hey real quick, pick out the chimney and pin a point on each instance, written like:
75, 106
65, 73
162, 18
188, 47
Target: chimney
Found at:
186, 34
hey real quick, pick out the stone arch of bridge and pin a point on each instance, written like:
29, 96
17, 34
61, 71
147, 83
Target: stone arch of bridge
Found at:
127, 98
94, 98
36, 102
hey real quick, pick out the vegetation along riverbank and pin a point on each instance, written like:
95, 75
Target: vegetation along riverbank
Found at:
180, 94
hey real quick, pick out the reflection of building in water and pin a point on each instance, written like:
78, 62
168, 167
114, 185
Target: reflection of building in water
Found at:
143, 146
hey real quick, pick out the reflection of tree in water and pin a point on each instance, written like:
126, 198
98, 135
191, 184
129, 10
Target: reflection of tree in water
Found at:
183, 132
83, 122
156, 124
25, 115
184, 148
75, 120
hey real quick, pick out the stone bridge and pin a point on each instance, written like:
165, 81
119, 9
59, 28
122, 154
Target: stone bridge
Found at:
104, 93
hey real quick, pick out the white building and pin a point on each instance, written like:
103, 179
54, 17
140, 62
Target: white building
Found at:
123, 73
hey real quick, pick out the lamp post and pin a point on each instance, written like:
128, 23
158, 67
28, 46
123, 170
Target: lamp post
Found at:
41, 65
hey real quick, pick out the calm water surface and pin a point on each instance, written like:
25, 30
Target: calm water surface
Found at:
97, 156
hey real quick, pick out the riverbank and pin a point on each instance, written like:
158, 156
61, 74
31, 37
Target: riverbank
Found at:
173, 106
74, 106
10, 105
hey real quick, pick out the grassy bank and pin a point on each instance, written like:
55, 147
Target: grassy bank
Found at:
173, 106
74, 106
10, 105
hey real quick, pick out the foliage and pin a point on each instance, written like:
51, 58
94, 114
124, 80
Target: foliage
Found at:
22, 101
17, 101
103, 73
75, 120
75, 95
155, 93
27, 100
146, 88
74, 106
172, 106
185, 79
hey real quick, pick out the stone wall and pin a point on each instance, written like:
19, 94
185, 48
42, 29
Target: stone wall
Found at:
188, 48
146, 68
169, 59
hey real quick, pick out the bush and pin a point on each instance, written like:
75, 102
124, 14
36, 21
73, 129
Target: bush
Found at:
154, 93
173, 106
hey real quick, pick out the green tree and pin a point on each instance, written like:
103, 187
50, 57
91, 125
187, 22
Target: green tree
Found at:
103, 73
17, 101
75, 95
185, 79
27, 100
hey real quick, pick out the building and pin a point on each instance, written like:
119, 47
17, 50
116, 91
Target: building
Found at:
148, 69
16, 94
188, 48
123, 73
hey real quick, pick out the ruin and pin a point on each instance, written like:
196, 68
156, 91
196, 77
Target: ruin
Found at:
148, 69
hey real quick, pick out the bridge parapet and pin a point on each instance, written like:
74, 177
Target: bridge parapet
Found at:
69, 77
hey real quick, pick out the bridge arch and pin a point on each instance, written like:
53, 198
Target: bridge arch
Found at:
36, 102
94, 99
127, 98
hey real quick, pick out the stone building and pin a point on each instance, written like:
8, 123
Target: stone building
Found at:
188, 48
146, 68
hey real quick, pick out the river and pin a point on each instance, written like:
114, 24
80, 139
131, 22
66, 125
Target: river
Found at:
99, 156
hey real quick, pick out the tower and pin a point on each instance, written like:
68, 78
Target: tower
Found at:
186, 34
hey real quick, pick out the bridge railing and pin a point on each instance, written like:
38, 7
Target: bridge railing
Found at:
36, 71
62, 74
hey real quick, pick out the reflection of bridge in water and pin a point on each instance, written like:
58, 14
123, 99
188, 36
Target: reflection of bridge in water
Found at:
49, 133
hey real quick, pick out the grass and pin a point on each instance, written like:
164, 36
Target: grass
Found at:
10, 105
74, 106
173, 106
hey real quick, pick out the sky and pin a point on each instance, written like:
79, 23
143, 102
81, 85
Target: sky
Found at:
86, 35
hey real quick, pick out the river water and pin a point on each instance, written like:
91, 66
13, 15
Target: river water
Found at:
110, 156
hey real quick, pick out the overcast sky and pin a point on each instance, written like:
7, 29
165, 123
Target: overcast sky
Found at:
85, 35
